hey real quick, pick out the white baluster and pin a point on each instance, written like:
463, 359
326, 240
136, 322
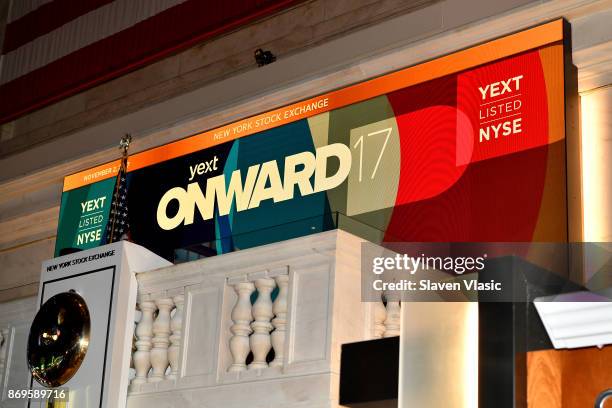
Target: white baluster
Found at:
161, 332
144, 333
242, 317
280, 321
262, 313
380, 314
137, 317
392, 322
175, 339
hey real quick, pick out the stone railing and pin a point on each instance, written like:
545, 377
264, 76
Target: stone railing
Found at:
261, 325
257, 329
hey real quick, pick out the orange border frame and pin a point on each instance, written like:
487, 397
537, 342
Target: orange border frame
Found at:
461, 60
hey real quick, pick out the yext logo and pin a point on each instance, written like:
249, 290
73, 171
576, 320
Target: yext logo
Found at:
263, 182
203, 167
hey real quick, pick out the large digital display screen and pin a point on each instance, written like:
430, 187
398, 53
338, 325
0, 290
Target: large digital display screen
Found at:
467, 147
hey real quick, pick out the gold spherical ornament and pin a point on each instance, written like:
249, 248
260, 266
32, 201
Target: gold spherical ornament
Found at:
59, 339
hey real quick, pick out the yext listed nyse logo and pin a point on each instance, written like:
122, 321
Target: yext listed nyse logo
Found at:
91, 220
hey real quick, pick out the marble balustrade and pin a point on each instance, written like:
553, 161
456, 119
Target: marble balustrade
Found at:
265, 323
257, 326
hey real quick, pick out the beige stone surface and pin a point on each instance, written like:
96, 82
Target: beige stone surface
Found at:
32, 227
146, 77
20, 292
20, 268
596, 118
